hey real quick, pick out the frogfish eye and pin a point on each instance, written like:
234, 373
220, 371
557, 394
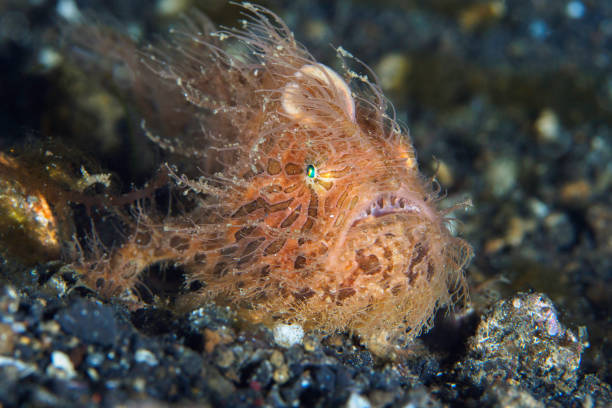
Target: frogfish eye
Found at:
311, 172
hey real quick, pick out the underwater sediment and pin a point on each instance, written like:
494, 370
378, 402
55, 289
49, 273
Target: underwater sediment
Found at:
527, 139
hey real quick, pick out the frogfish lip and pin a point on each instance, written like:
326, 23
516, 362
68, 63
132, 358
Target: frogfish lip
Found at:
392, 203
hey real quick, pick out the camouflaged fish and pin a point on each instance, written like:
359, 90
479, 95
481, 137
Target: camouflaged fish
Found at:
309, 205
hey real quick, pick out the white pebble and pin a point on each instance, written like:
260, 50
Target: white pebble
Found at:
69, 10
49, 58
287, 335
61, 366
357, 401
548, 125
501, 175
171, 7
145, 356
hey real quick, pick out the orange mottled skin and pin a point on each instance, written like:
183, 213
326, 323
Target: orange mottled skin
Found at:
310, 208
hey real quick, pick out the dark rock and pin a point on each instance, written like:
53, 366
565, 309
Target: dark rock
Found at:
521, 341
91, 322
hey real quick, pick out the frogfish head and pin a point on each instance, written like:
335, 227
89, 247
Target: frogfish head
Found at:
362, 244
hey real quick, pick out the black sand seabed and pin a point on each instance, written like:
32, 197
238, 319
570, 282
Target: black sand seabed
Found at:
511, 102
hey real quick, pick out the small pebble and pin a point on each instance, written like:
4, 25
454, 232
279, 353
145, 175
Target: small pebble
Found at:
287, 335
9, 302
317, 30
139, 384
392, 70
494, 245
576, 191
50, 326
169, 8
501, 175
225, 358
18, 327
93, 374
281, 374
146, 357
7, 339
538, 208
481, 13
445, 174
69, 10
310, 344
212, 339
539, 29
357, 401
547, 125
49, 58
277, 359
61, 366
560, 229
95, 359
517, 229
575, 9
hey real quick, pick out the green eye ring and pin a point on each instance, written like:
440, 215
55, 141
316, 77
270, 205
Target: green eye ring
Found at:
311, 172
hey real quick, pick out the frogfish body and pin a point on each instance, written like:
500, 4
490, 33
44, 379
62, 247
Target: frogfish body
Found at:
310, 208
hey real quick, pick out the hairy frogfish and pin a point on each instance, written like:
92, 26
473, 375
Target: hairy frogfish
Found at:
309, 207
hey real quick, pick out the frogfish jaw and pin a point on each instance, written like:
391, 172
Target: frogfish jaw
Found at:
385, 211
390, 265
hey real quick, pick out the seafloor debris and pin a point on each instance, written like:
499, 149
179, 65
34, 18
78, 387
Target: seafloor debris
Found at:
521, 341
28, 227
38, 185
